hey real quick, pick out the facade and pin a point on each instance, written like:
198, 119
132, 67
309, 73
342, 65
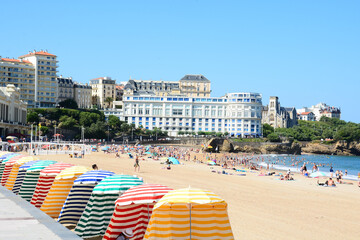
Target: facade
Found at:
83, 95
307, 116
239, 114
119, 92
65, 88
277, 116
159, 88
20, 73
195, 86
45, 82
12, 111
102, 88
322, 109
190, 86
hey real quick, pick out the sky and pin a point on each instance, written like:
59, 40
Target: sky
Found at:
304, 52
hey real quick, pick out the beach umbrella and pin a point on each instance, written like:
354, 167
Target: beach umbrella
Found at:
174, 160
31, 179
6, 159
133, 210
7, 166
101, 205
21, 175
11, 137
15, 170
211, 163
105, 148
209, 146
46, 179
80, 194
60, 190
189, 213
318, 174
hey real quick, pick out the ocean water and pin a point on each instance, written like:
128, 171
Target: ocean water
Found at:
294, 163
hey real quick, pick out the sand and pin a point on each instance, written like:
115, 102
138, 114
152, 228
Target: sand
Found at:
260, 207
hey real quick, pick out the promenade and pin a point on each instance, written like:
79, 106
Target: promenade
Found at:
21, 220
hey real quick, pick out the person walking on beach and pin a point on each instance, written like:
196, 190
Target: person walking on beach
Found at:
331, 171
137, 165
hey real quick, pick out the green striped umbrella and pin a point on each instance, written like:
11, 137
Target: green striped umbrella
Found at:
31, 178
101, 205
21, 175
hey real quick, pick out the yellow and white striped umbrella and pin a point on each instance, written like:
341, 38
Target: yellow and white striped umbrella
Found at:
60, 190
189, 214
15, 170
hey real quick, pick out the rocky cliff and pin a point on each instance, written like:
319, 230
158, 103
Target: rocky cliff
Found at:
339, 148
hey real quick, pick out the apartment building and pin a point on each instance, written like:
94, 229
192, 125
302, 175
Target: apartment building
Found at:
83, 95
190, 85
20, 73
12, 111
45, 65
65, 88
103, 88
239, 114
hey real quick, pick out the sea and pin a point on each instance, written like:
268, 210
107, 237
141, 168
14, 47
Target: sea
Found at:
324, 162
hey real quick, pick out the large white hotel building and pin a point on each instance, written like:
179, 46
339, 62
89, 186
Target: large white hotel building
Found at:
239, 114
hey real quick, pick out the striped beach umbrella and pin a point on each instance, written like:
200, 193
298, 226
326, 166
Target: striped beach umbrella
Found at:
133, 210
189, 214
46, 179
31, 179
101, 205
80, 194
60, 190
8, 165
15, 170
21, 175
6, 155
6, 159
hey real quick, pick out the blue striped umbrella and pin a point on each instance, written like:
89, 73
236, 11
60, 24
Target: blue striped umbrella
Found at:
21, 175
80, 194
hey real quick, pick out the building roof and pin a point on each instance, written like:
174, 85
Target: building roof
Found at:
43, 53
14, 60
305, 113
194, 77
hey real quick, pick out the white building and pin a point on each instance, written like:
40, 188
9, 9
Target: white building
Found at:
322, 109
239, 114
12, 111
307, 116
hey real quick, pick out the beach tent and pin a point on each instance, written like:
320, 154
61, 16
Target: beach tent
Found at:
15, 170
79, 195
6, 159
133, 210
101, 205
174, 160
31, 179
46, 179
21, 175
189, 213
7, 166
60, 190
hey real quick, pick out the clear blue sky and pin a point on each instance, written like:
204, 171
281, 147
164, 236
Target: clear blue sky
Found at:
305, 52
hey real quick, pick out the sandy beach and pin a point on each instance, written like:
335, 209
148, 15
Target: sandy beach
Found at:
260, 207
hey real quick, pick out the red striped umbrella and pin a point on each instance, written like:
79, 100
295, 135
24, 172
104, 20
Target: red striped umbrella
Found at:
133, 210
7, 168
46, 179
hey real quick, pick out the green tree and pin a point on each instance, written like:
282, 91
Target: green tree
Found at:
267, 129
109, 100
96, 130
69, 103
32, 117
67, 122
114, 122
273, 137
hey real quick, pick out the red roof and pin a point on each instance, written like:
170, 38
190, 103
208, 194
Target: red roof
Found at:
14, 60
306, 113
119, 87
38, 53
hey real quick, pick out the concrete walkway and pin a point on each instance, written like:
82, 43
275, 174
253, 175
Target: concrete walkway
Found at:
21, 220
